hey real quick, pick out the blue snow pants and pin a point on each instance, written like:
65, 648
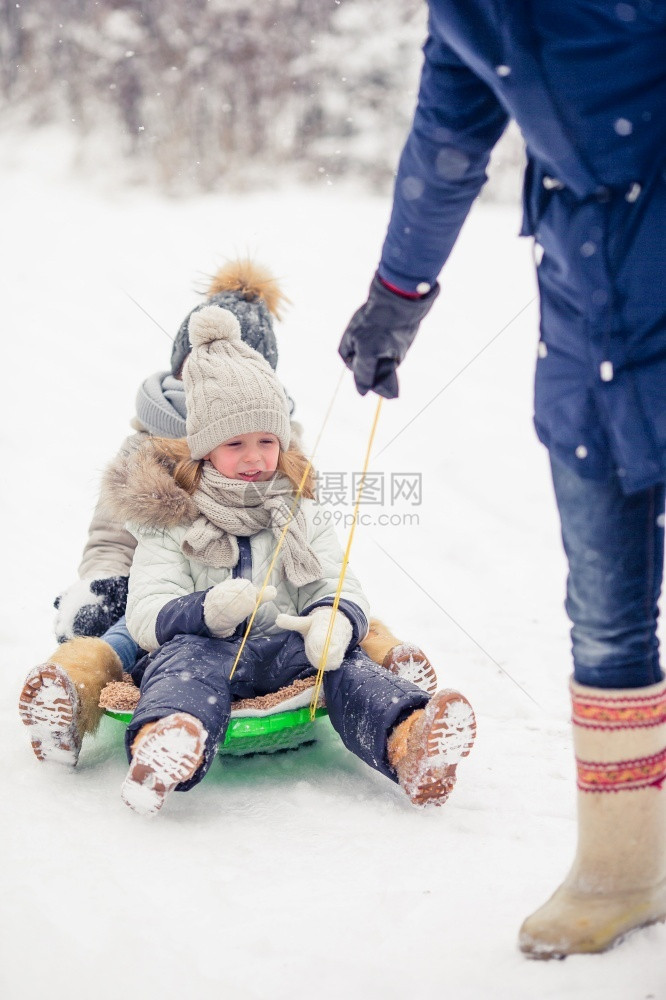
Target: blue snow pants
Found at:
190, 674
615, 548
121, 641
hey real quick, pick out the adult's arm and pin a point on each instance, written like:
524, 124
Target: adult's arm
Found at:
457, 122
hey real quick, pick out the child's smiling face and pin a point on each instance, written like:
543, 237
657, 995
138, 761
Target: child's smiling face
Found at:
251, 458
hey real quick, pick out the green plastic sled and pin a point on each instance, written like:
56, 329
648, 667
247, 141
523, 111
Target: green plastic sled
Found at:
249, 734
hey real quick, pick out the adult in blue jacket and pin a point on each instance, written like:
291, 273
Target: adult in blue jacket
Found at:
586, 83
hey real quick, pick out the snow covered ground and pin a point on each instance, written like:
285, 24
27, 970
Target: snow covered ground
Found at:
305, 874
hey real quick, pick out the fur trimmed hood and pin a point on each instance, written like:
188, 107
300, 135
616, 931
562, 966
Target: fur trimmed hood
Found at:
139, 487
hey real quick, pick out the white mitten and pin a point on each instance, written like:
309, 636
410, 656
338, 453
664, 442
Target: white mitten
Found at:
314, 629
230, 602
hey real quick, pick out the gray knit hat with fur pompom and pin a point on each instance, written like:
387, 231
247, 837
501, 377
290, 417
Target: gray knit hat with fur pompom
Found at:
253, 295
230, 388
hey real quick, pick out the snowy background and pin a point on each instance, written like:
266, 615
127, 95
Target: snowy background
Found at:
305, 874
185, 96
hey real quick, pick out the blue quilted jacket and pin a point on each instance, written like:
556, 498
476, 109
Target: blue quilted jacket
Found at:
586, 82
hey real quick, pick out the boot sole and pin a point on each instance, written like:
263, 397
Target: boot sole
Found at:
608, 923
168, 755
411, 663
48, 705
447, 738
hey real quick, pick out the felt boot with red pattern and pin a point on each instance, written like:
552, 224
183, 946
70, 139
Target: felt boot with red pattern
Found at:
618, 879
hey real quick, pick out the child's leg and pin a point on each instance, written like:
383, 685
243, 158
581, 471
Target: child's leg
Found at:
187, 676
426, 747
165, 754
120, 640
183, 713
365, 703
394, 727
59, 700
402, 658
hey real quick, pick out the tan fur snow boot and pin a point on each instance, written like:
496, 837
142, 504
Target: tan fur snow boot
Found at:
164, 754
379, 641
426, 748
618, 879
401, 658
59, 700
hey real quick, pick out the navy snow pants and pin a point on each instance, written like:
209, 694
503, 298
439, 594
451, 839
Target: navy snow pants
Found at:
191, 674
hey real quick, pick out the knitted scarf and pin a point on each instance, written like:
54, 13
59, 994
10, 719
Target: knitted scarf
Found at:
230, 507
160, 405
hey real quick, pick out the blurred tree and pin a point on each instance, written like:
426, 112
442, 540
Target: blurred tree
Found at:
210, 92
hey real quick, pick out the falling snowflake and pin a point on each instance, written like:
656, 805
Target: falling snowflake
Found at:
623, 126
412, 188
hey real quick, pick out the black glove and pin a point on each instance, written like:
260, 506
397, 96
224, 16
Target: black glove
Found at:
379, 335
90, 607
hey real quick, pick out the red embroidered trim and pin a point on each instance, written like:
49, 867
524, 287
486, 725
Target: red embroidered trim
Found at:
621, 775
594, 712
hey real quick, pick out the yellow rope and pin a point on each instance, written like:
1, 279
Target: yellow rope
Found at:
336, 600
290, 518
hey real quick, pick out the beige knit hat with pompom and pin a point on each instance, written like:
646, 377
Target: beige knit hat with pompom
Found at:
230, 389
